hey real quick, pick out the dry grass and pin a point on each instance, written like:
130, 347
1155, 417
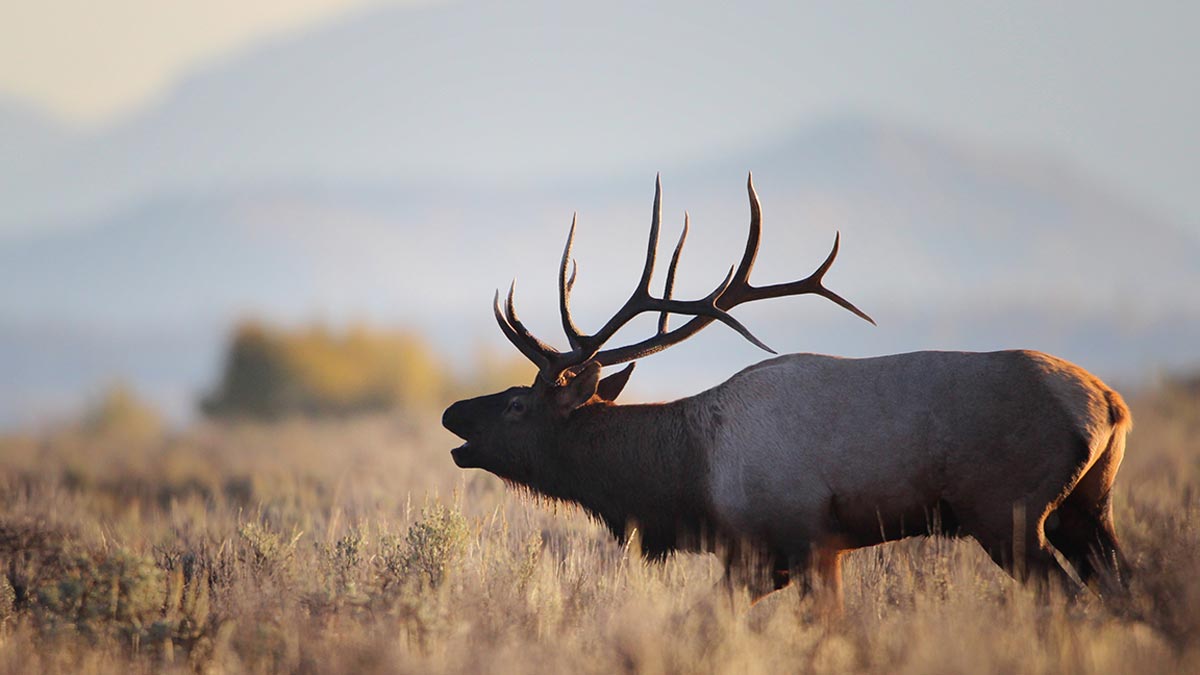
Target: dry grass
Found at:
358, 547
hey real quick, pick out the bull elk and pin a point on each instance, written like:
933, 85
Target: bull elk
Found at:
802, 457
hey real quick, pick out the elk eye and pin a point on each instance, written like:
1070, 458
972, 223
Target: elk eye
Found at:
516, 406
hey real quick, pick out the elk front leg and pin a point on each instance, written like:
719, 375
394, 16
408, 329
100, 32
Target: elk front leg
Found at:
828, 566
819, 573
748, 569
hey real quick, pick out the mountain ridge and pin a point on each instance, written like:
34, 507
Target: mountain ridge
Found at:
961, 218
377, 169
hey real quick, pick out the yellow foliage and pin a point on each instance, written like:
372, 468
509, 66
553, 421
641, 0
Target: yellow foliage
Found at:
272, 372
120, 412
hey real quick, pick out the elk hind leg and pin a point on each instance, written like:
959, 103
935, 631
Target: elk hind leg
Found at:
1018, 545
1082, 528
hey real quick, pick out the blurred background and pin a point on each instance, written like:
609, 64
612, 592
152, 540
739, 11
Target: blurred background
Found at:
277, 207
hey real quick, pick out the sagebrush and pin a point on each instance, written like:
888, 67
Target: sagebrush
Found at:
356, 546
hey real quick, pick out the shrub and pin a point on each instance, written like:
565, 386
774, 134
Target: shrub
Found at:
274, 372
96, 592
270, 373
8, 598
431, 548
66, 587
268, 551
120, 412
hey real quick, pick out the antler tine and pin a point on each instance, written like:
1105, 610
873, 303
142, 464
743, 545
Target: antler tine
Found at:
752, 238
708, 308
738, 290
669, 287
532, 353
640, 300
510, 314
564, 290
734, 290
812, 284
652, 244
552, 363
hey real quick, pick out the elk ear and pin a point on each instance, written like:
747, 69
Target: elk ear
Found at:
610, 387
579, 389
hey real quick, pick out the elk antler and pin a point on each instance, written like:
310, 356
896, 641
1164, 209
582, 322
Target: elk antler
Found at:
734, 290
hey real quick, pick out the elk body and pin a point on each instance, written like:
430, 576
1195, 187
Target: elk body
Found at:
797, 459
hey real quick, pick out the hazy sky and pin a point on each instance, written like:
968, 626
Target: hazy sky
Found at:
90, 60
1111, 87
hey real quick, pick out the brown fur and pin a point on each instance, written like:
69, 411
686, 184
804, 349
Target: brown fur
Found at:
980, 445
641, 466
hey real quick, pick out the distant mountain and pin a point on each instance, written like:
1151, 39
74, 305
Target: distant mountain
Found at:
948, 246
400, 164
964, 222
926, 222
28, 138
482, 91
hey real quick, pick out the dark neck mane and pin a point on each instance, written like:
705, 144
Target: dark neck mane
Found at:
633, 466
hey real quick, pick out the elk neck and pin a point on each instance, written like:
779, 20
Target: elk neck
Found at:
634, 466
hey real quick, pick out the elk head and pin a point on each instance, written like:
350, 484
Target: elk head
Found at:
509, 433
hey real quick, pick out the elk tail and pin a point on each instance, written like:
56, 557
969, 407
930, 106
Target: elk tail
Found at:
1118, 412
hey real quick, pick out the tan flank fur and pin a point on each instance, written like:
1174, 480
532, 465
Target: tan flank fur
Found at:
801, 457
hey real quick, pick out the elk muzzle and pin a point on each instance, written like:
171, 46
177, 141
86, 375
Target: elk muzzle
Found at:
459, 421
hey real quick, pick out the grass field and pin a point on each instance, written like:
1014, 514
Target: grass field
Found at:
358, 547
